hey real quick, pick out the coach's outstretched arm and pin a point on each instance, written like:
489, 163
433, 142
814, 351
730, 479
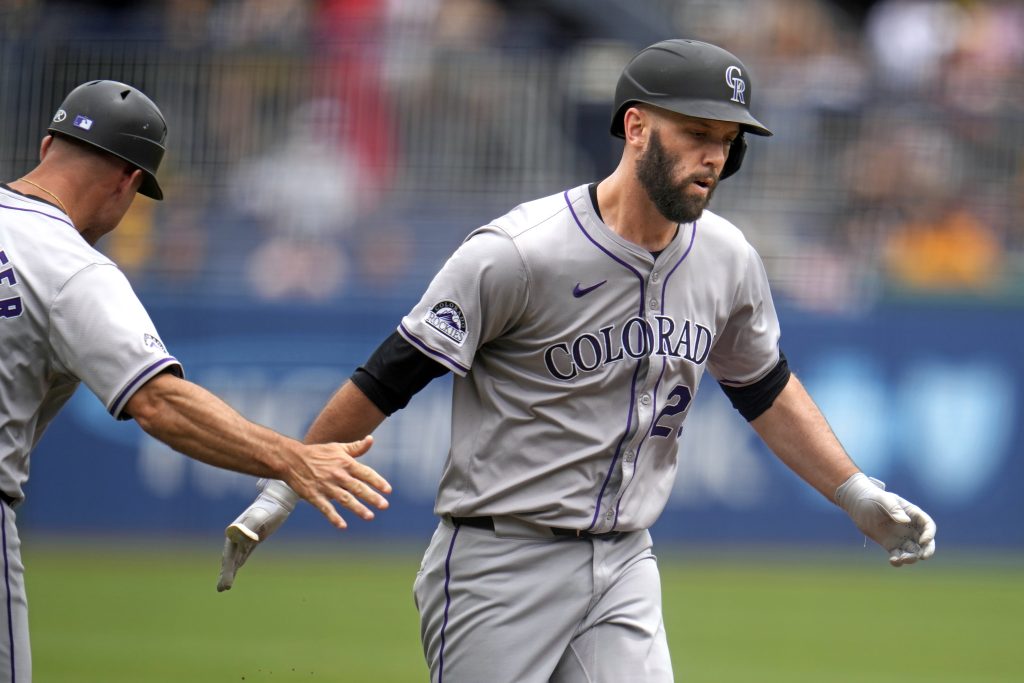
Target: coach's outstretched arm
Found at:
798, 434
348, 416
193, 421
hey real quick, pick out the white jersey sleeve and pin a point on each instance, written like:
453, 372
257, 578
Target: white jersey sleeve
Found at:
101, 334
476, 296
748, 347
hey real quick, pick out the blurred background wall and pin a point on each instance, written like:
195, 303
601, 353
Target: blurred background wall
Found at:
325, 157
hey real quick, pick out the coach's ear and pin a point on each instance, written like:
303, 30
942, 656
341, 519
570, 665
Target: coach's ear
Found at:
44, 147
131, 180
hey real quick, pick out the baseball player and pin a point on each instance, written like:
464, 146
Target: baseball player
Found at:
68, 315
578, 327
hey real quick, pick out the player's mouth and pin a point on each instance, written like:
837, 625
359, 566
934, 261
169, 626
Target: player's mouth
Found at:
704, 185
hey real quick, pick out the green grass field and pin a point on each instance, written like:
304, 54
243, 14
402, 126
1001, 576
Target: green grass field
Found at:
110, 613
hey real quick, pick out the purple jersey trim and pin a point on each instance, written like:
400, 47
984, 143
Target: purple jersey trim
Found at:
447, 360
632, 386
657, 385
41, 213
7, 583
447, 602
118, 404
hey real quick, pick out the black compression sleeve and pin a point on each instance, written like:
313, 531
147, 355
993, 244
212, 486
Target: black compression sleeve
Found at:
754, 399
394, 373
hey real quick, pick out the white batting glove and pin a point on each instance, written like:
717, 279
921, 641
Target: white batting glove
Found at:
902, 528
268, 512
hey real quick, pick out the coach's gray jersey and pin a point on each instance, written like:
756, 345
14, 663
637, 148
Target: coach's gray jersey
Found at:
577, 355
67, 314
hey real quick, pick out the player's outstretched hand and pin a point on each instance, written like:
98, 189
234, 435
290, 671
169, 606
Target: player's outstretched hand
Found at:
330, 472
902, 528
268, 512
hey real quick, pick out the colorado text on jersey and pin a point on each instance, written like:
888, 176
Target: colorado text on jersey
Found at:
638, 338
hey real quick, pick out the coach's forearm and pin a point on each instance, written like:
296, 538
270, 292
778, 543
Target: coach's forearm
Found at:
348, 416
796, 431
193, 421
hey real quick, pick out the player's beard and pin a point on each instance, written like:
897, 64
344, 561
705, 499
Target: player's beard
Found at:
673, 201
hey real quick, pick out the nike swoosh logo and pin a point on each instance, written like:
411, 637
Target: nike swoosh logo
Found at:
579, 291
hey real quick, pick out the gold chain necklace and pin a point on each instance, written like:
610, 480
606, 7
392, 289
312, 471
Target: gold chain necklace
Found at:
59, 202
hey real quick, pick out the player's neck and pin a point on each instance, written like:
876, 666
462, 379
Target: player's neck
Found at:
628, 212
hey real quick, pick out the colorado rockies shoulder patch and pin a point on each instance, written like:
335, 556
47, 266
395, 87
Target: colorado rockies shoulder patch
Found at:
447, 318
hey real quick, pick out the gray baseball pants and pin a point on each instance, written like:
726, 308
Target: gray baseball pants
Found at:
15, 654
518, 605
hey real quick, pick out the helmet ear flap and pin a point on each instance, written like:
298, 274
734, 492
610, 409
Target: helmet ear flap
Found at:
735, 158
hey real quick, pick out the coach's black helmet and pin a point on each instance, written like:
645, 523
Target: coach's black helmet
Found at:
692, 78
119, 119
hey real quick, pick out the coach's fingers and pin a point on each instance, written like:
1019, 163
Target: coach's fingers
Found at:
327, 509
364, 492
350, 502
353, 470
363, 478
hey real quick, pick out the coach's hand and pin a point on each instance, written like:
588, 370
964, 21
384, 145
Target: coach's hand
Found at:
324, 473
275, 502
902, 528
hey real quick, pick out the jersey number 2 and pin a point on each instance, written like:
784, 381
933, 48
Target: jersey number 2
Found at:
682, 397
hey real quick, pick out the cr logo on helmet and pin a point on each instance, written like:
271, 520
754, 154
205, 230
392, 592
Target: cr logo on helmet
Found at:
738, 85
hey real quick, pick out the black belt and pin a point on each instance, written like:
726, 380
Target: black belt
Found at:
7, 499
488, 523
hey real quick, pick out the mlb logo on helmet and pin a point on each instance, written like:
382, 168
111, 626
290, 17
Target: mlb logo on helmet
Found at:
83, 122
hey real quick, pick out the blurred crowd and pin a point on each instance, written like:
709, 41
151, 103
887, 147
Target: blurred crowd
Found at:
899, 162
331, 148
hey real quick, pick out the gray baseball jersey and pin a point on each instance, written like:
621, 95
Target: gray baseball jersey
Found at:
67, 314
577, 355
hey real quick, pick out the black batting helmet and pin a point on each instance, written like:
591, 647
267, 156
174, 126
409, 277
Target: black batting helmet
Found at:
692, 78
119, 119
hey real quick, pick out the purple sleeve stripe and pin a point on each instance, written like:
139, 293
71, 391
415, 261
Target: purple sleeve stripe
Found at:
118, 404
447, 360
41, 213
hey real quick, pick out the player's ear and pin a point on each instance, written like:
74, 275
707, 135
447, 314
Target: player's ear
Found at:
636, 124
